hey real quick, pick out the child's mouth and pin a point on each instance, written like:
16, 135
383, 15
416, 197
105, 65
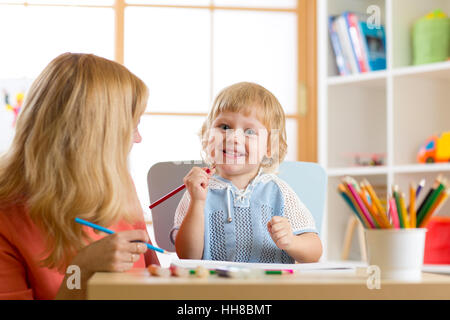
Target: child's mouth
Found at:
233, 154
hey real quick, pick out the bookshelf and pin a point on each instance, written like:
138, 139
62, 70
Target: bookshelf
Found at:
390, 111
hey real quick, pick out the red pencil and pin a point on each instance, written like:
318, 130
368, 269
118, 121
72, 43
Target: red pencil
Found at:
170, 194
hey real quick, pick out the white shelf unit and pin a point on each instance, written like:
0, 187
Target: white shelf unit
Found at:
392, 111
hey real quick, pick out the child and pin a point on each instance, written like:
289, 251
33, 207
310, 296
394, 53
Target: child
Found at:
241, 211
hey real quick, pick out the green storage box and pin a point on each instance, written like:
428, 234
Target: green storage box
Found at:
431, 38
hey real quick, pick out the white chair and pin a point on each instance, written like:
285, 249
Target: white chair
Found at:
308, 180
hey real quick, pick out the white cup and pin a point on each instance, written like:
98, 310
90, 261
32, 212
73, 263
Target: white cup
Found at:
397, 252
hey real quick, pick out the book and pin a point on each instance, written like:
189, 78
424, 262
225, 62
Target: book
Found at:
374, 42
346, 43
356, 41
357, 48
341, 62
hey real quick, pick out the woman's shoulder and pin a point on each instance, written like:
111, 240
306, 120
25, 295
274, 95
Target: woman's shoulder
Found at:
13, 216
17, 227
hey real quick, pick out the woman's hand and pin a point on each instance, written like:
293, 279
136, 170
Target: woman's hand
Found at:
281, 232
114, 253
196, 182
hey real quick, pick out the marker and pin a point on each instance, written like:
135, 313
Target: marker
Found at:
156, 270
238, 273
105, 230
201, 272
179, 271
279, 272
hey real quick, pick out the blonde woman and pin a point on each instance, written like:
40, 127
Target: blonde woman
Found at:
69, 159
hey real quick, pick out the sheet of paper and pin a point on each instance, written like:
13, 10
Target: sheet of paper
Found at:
210, 264
436, 268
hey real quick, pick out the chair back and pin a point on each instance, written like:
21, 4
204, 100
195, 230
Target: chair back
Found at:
307, 179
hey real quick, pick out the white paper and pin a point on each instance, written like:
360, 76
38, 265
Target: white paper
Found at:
319, 266
436, 268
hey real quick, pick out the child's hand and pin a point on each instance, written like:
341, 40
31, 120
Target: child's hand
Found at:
196, 182
281, 232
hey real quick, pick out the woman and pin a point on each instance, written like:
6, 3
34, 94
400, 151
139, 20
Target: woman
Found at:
69, 159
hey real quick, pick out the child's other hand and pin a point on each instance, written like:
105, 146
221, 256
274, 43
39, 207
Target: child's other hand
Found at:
196, 182
281, 232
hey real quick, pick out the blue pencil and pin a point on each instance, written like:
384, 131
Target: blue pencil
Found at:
100, 228
420, 187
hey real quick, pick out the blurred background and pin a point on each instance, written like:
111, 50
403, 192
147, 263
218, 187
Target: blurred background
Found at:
360, 103
185, 51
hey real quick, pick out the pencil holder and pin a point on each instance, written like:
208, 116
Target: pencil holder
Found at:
397, 252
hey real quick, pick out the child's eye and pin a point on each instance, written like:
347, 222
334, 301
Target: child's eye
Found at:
224, 127
250, 132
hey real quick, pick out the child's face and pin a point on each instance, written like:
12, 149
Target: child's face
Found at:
237, 143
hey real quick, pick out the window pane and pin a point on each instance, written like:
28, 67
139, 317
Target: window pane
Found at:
257, 3
259, 47
164, 138
171, 2
42, 33
170, 50
291, 133
68, 2
9, 90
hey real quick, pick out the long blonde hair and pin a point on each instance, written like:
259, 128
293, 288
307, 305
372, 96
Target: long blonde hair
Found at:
69, 156
242, 97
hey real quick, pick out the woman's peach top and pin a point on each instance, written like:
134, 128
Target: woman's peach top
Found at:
21, 242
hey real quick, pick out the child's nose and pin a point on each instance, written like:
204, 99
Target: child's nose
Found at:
235, 136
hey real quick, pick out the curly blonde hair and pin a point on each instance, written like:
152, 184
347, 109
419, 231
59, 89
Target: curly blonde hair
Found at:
69, 156
242, 97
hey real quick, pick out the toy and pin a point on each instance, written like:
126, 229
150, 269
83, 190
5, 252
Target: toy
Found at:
361, 159
431, 38
16, 108
435, 149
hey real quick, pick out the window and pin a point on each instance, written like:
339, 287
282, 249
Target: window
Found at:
185, 50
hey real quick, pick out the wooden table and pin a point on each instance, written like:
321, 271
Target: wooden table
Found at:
138, 284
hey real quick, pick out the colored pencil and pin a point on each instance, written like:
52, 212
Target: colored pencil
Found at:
438, 188
376, 219
420, 187
170, 194
376, 201
412, 205
394, 213
436, 207
398, 206
355, 206
105, 230
403, 211
344, 194
380, 217
361, 205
